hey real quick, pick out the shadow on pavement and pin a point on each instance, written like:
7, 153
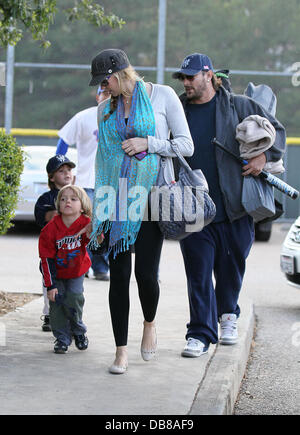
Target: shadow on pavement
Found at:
24, 229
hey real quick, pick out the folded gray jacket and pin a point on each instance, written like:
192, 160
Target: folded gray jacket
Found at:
256, 135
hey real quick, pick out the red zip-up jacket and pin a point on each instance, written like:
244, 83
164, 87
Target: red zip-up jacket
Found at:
62, 255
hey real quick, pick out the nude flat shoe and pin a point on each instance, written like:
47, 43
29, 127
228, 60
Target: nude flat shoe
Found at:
117, 370
147, 355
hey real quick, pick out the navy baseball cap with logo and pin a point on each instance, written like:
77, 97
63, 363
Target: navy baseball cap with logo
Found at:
56, 162
193, 64
106, 63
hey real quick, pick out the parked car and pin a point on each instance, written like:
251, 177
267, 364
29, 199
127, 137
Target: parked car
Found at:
290, 254
34, 179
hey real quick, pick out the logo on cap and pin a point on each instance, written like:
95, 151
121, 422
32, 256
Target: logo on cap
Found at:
61, 157
185, 63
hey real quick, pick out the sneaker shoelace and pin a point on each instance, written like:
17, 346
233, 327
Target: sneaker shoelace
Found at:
193, 342
228, 326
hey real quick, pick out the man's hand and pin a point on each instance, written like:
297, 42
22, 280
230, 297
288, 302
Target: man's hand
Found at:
51, 294
135, 145
255, 165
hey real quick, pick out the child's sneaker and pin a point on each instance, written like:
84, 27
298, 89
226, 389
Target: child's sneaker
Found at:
81, 342
46, 327
60, 347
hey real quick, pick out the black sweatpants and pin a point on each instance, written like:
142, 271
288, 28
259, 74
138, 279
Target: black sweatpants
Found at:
148, 247
220, 249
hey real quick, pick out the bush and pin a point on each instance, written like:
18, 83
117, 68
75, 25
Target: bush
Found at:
11, 167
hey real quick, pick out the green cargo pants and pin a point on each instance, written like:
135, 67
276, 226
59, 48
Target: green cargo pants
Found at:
66, 312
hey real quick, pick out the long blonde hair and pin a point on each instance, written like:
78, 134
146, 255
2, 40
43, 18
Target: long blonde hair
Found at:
86, 204
124, 76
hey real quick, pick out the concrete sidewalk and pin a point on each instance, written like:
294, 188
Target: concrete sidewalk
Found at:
34, 380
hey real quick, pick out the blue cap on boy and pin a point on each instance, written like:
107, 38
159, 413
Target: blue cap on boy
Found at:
56, 162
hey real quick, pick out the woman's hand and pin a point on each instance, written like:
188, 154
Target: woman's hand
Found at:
255, 165
135, 145
51, 294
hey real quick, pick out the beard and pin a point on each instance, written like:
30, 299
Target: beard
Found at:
195, 93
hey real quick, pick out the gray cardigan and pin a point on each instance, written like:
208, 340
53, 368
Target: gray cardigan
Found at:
169, 117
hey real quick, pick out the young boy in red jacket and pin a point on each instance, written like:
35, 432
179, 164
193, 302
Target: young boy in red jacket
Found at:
59, 170
64, 262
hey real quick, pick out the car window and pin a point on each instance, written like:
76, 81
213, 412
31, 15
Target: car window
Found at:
37, 158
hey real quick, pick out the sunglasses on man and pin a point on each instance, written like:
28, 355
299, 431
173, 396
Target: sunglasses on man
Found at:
182, 77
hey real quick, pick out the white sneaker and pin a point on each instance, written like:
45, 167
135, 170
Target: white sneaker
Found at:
194, 348
229, 333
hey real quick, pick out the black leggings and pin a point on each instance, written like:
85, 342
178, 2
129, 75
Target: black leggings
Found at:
148, 247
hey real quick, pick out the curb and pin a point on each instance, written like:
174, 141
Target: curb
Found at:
219, 388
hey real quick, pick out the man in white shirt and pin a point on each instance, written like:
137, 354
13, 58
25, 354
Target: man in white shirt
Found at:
82, 131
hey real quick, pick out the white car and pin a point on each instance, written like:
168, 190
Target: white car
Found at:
290, 254
34, 179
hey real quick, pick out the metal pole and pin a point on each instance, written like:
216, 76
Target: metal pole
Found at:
161, 41
9, 93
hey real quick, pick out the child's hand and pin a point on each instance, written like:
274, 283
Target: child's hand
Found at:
100, 238
50, 214
87, 229
51, 294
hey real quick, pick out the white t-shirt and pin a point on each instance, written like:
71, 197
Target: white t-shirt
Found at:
82, 131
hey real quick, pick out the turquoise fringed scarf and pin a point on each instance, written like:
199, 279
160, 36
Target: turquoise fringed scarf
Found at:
122, 182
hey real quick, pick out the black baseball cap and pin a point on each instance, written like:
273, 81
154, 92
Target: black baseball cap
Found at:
106, 63
56, 162
193, 64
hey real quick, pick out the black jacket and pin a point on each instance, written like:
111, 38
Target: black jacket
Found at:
46, 202
231, 109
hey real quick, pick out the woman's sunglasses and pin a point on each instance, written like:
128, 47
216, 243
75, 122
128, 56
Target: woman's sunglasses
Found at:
105, 81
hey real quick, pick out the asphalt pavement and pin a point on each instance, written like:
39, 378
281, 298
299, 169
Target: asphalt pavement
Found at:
34, 380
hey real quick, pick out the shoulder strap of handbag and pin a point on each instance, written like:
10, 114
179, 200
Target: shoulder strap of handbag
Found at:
180, 157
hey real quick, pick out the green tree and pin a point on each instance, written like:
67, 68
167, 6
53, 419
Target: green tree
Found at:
37, 15
236, 34
34, 16
11, 167
52, 96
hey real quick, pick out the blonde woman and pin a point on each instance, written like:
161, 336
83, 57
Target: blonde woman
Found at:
134, 127
64, 262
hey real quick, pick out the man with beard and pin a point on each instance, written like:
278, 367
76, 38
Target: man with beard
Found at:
222, 247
